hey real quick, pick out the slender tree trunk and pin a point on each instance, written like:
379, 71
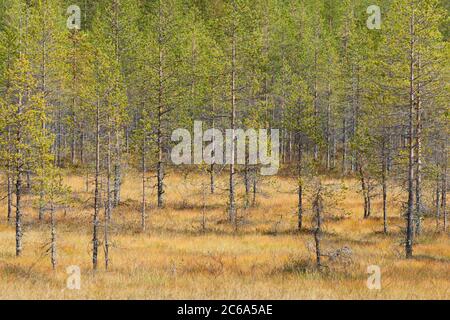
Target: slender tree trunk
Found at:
127, 140
444, 195
317, 207
28, 175
18, 162
117, 170
364, 188
290, 147
53, 235
95, 240
41, 195
82, 147
160, 171
160, 164
410, 210
41, 201
328, 129
247, 182
9, 180
108, 204
333, 154
418, 209
384, 187
438, 202
211, 168
59, 140
204, 191
73, 140
211, 179
117, 183
316, 106
19, 212
9, 203
43, 89
144, 169
388, 154
118, 144
255, 185
344, 146
355, 112
232, 208
300, 185
74, 132
19, 176
369, 198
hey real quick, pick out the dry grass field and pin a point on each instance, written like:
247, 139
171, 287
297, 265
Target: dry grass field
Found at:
263, 259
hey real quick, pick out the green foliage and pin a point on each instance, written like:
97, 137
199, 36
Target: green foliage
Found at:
24, 116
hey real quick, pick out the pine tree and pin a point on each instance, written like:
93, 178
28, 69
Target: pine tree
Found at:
414, 43
164, 75
24, 114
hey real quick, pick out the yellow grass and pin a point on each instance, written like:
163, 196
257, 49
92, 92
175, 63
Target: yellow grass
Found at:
264, 259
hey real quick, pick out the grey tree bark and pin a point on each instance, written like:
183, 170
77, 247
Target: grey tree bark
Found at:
160, 140
9, 193
53, 235
384, 187
19, 211
232, 204
438, 201
344, 146
144, 169
108, 204
328, 128
444, 195
412, 98
316, 105
300, 185
255, 186
418, 208
317, 209
95, 240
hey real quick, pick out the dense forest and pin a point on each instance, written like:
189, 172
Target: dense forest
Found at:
356, 88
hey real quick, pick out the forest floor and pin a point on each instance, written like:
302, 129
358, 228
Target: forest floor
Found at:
265, 258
